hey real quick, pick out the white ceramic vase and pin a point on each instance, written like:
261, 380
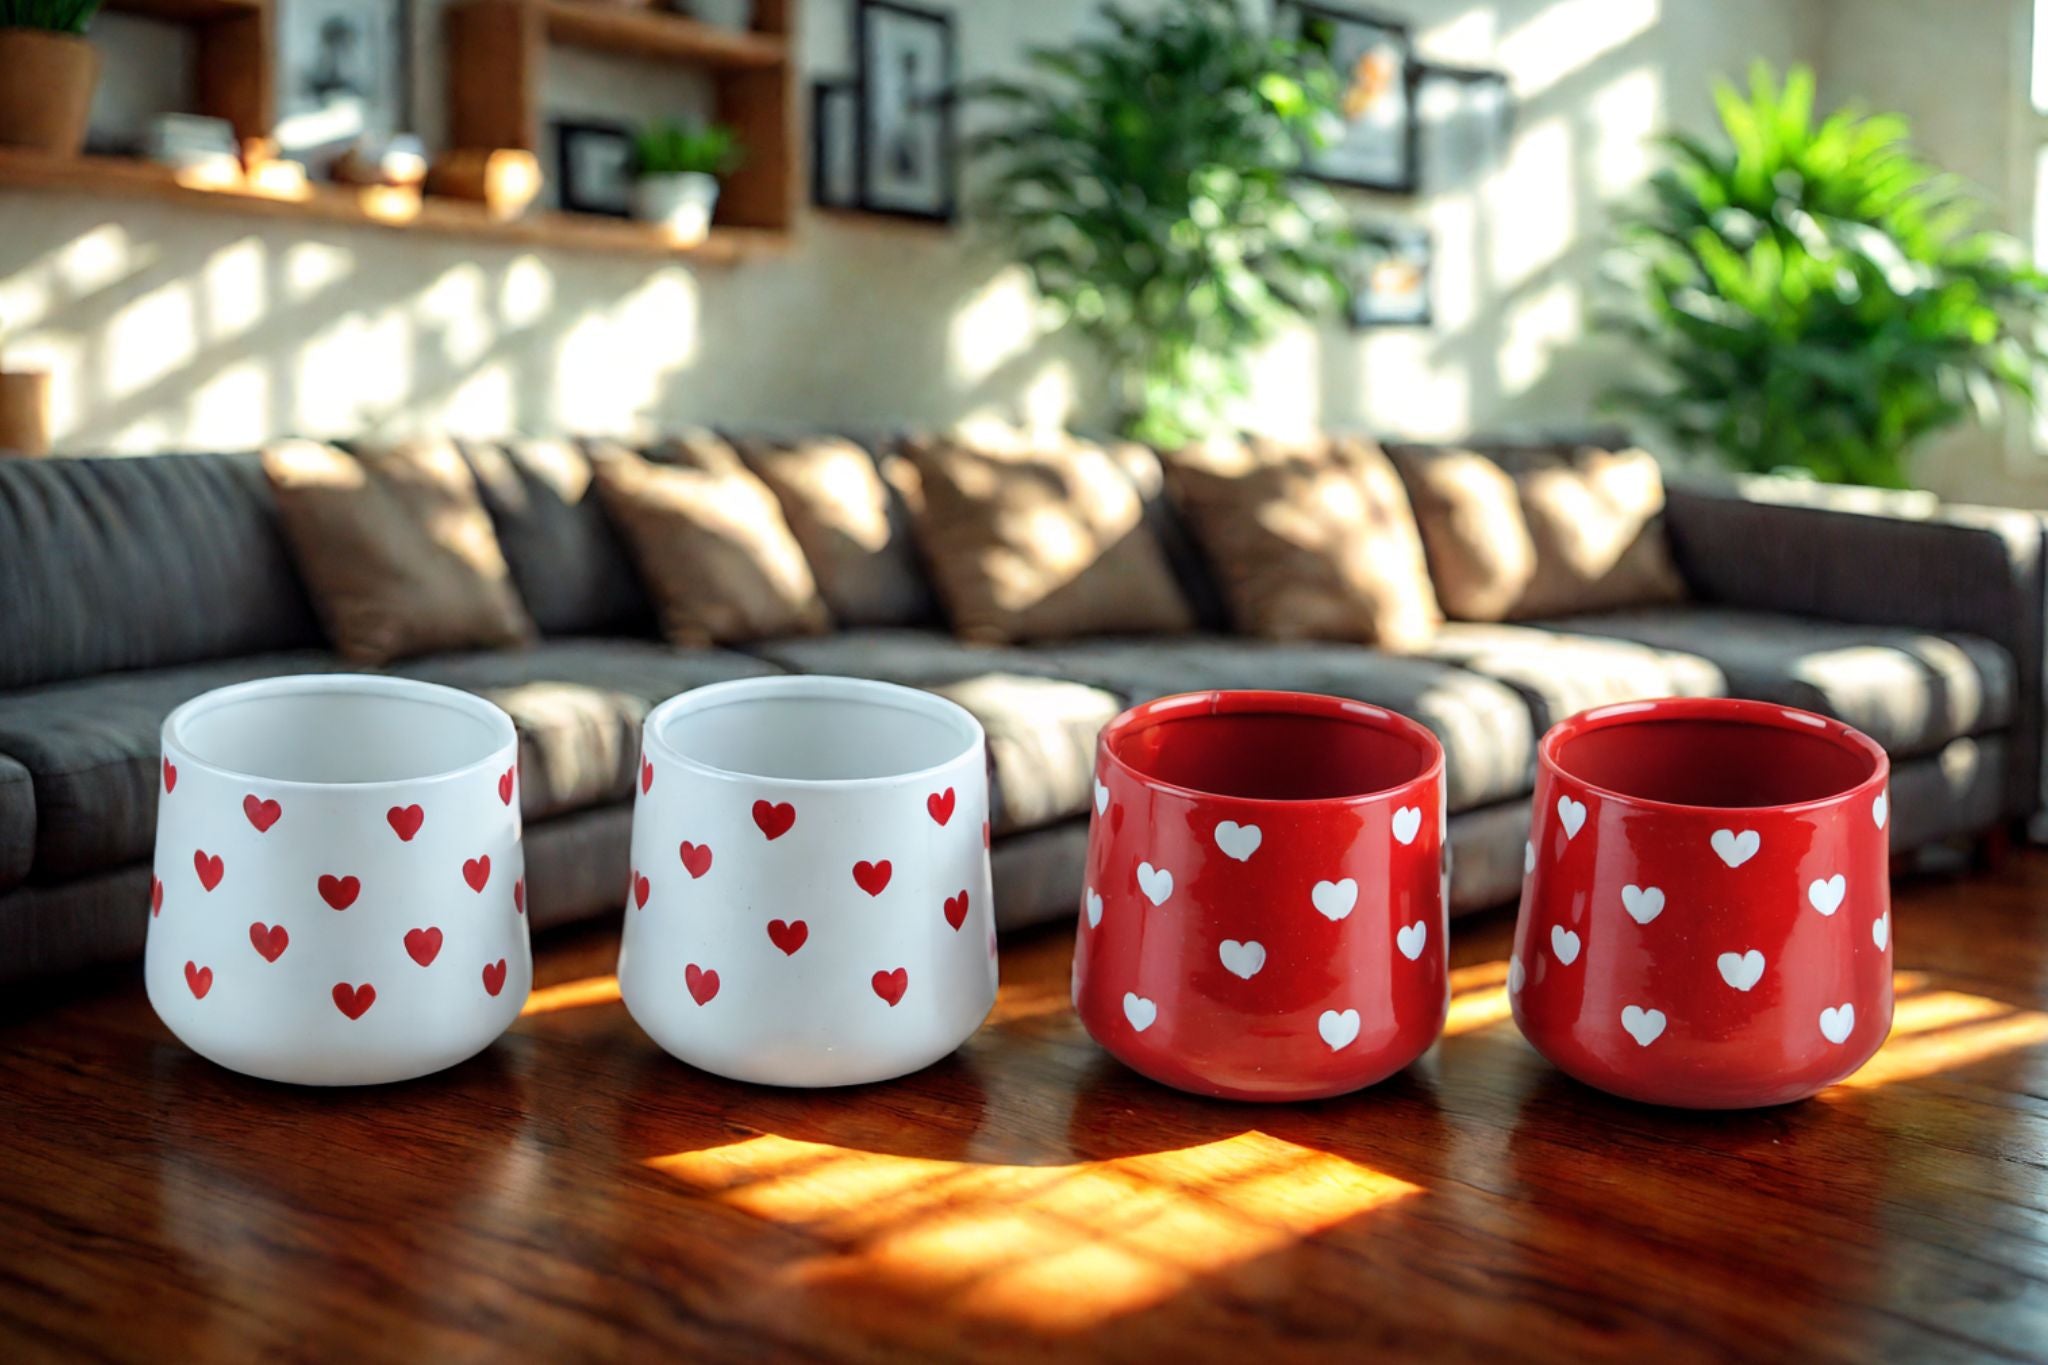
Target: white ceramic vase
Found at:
339, 894
682, 203
809, 903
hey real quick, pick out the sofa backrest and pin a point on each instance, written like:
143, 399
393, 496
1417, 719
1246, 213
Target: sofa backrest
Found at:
113, 563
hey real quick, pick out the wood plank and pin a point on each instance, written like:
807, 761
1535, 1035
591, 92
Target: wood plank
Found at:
187, 11
495, 58
658, 35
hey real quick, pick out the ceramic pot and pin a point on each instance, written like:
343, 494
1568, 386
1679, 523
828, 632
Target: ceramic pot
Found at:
681, 203
1264, 912
1706, 919
339, 893
809, 902
46, 98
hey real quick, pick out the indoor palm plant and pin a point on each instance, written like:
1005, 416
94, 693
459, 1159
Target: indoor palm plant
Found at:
676, 169
47, 70
1148, 181
1814, 297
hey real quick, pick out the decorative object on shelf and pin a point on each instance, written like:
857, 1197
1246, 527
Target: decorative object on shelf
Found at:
1388, 276
398, 162
505, 180
339, 890
594, 167
24, 412
1224, 244
905, 147
1466, 116
193, 142
1706, 920
50, 70
676, 170
1264, 911
835, 145
342, 74
1373, 60
1767, 319
809, 902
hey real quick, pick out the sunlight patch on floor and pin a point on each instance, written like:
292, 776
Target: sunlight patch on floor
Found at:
1479, 997
570, 995
1938, 1031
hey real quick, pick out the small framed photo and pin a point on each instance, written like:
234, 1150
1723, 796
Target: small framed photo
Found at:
1389, 276
1374, 59
594, 167
835, 154
342, 76
905, 153
1467, 116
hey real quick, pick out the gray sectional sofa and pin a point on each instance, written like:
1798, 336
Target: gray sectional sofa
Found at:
130, 585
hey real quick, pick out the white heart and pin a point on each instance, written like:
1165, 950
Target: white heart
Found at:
1242, 959
1140, 1011
1516, 976
1407, 823
1881, 808
1238, 841
1101, 797
1571, 814
1736, 849
1881, 930
1826, 896
1643, 903
1094, 908
1528, 857
1155, 882
1411, 940
1565, 944
1645, 1026
1338, 1030
1335, 899
1838, 1023
1741, 970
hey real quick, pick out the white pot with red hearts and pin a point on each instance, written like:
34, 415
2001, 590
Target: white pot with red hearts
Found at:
339, 894
809, 902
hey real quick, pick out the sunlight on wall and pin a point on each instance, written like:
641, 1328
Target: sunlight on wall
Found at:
1539, 221
234, 290
1562, 38
993, 327
234, 405
1538, 326
1624, 118
149, 339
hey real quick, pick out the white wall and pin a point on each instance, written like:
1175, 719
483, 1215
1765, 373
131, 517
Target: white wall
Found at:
168, 328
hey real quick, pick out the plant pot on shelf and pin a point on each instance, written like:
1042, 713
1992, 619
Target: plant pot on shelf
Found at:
24, 413
47, 94
680, 202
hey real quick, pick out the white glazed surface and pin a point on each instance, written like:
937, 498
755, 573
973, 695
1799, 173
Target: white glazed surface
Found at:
337, 754
817, 1016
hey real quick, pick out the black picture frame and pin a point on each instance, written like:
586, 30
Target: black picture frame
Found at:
1452, 155
305, 46
869, 19
579, 137
835, 114
1301, 20
1376, 298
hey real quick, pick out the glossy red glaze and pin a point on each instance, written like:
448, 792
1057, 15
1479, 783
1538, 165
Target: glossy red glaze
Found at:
1256, 973
1683, 937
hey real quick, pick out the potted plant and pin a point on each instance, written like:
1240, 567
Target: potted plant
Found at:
676, 168
46, 91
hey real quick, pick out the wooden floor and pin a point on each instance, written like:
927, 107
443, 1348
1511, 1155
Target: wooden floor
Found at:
574, 1193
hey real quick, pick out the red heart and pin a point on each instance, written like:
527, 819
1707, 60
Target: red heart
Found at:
642, 889
984, 834
339, 892
170, 776
210, 869
423, 945
354, 1001
646, 776
788, 937
518, 899
697, 858
262, 814
872, 877
956, 909
477, 871
774, 819
940, 804
494, 976
405, 821
891, 985
270, 940
703, 985
200, 979
505, 785
156, 896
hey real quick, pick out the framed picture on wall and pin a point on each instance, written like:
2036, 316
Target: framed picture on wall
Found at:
1374, 59
341, 76
904, 153
594, 167
1389, 276
1466, 116
835, 172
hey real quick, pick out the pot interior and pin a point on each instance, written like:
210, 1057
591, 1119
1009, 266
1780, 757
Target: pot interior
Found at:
807, 737
1271, 756
1733, 764
339, 735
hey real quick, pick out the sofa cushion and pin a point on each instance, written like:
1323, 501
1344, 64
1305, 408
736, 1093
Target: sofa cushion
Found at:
91, 749
578, 704
1911, 691
569, 565
1560, 674
17, 822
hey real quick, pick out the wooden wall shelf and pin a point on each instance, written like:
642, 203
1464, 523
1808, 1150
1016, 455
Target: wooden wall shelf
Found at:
657, 35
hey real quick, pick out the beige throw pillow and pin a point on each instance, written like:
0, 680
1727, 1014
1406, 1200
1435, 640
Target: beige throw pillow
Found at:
853, 527
1480, 556
398, 553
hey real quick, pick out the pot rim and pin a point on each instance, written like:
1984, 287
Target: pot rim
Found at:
1724, 710
819, 686
1266, 701
407, 689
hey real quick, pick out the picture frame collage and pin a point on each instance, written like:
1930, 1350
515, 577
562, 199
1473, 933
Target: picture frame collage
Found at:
885, 140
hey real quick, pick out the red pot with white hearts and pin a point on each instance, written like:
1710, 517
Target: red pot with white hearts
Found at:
1706, 919
339, 892
809, 902
1264, 913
